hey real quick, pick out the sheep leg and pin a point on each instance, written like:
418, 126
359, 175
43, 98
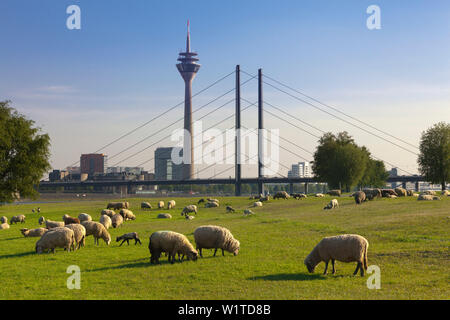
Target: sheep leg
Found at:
128, 241
223, 254
122, 243
326, 267
357, 267
332, 264
215, 251
361, 269
200, 251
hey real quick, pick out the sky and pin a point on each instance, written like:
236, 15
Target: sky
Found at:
87, 87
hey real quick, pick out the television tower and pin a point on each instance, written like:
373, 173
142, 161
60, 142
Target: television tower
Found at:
188, 67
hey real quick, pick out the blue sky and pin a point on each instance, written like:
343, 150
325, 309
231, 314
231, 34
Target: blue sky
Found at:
86, 87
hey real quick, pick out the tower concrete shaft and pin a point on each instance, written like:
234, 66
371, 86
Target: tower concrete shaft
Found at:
188, 68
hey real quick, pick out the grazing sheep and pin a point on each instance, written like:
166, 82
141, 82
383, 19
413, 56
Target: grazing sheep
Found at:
33, 232
146, 205
127, 214
107, 212
400, 192
106, 221
336, 193
84, 217
188, 217
201, 201
266, 198
372, 193
319, 195
68, 219
49, 224
59, 237
172, 243
4, 226
344, 248
164, 216
386, 192
161, 204
299, 196
171, 204
189, 208
127, 237
215, 237
15, 219
97, 230
3, 219
211, 204
331, 205
213, 200
429, 192
79, 232
248, 212
425, 197
116, 205
281, 195
116, 220
257, 204
360, 197
230, 209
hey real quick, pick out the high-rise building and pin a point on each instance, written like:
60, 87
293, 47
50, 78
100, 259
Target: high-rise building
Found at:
188, 68
165, 169
300, 170
93, 163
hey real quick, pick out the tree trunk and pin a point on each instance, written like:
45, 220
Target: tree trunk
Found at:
443, 185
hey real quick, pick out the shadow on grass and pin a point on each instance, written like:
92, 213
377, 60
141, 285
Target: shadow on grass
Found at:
17, 255
289, 276
8, 239
139, 263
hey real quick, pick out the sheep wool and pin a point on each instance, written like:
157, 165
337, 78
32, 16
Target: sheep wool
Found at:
171, 243
33, 232
344, 248
4, 226
97, 230
164, 216
427, 197
107, 212
127, 214
189, 208
106, 221
84, 217
160, 204
359, 196
336, 193
211, 204
171, 204
319, 195
59, 237
146, 205
49, 224
16, 219
332, 204
257, 204
400, 192
116, 220
79, 232
281, 195
215, 237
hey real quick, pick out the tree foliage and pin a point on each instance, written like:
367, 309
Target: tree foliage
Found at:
24, 154
434, 157
340, 162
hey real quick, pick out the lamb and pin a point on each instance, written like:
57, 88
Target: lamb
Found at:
171, 204
164, 216
331, 205
360, 197
79, 232
116, 220
281, 195
336, 193
172, 243
68, 219
146, 205
116, 205
344, 248
127, 214
106, 221
189, 208
33, 232
215, 237
127, 237
49, 224
3, 219
160, 204
4, 226
319, 195
230, 209
211, 204
97, 230
59, 237
84, 217
400, 192
257, 204
248, 212
20, 218
107, 212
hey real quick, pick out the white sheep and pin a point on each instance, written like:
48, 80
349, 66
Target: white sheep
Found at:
332, 204
211, 204
97, 230
4, 226
257, 204
215, 237
116, 220
116, 205
59, 237
428, 197
84, 217
171, 243
38, 232
127, 214
20, 218
344, 248
79, 232
161, 204
146, 205
188, 209
108, 212
171, 204
445, 193
164, 216
49, 224
429, 192
105, 221
319, 195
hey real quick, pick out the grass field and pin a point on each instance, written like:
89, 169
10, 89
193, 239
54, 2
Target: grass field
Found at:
408, 239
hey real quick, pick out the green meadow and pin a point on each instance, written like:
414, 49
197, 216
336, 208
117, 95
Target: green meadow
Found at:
408, 239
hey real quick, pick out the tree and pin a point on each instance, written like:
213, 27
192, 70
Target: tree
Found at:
375, 174
434, 157
24, 155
